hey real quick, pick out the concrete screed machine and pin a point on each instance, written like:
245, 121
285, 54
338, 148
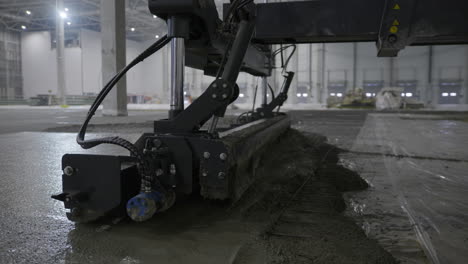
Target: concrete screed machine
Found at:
179, 157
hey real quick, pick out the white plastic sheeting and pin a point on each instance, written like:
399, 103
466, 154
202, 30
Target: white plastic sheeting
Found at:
389, 99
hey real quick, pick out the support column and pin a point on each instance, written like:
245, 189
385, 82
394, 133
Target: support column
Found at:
392, 72
114, 55
264, 91
310, 73
177, 76
355, 58
466, 76
432, 96
321, 77
60, 49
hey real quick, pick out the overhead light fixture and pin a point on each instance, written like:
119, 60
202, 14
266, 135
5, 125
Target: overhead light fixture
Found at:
132, 29
63, 14
66, 9
28, 12
23, 27
157, 36
69, 23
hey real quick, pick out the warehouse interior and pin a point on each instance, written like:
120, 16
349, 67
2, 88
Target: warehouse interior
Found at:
360, 158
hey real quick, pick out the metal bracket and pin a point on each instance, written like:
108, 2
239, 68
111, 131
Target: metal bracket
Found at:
395, 27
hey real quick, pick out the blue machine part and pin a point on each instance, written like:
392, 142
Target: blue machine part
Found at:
143, 206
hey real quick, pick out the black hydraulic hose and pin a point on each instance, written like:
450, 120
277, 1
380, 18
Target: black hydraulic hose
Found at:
87, 144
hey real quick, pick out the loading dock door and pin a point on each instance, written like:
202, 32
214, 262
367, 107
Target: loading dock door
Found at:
410, 88
372, 88
450, 91
302, 94
337, 89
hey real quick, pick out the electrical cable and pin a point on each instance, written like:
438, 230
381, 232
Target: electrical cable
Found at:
142, 165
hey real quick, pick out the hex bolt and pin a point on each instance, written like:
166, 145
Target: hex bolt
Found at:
173, 169
159, 172
225, 96
157, 143
215, 85
392, 38
206, 155
221, 175
225, 85
214, 96
68, 171
223, 156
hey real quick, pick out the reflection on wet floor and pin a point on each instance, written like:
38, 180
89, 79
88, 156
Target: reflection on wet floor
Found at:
34, 228
416, 207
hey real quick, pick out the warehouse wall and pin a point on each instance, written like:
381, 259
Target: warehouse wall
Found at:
83, 65
11, 83
316, 66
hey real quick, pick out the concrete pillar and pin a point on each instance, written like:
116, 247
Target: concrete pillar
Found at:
466, 76
321, 75
310, 72
60, 49
113, 31
391, 72
428, 93
355, 62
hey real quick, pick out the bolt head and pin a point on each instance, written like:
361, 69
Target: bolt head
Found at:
215, 85
225, 85
157, 143
225, 96
159, 172
204, 174
223, 156
206, 155
221, 175
392, 38
68, 171
214, 96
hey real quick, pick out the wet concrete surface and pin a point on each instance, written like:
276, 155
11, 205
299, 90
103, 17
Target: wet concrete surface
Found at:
21, 120
417, 166
415, 208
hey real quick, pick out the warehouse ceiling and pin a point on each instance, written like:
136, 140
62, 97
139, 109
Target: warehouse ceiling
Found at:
40, 15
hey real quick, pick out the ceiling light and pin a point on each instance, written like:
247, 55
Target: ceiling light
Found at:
157, 36
28, 12
155, 16
23, 27
69, 23
132, 29
66, 9
63, 14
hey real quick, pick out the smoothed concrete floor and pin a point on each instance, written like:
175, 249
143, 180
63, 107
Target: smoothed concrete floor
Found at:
417, 166
416, 208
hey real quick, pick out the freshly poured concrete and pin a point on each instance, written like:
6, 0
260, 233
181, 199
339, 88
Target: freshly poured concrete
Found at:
417, 166
416, 208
